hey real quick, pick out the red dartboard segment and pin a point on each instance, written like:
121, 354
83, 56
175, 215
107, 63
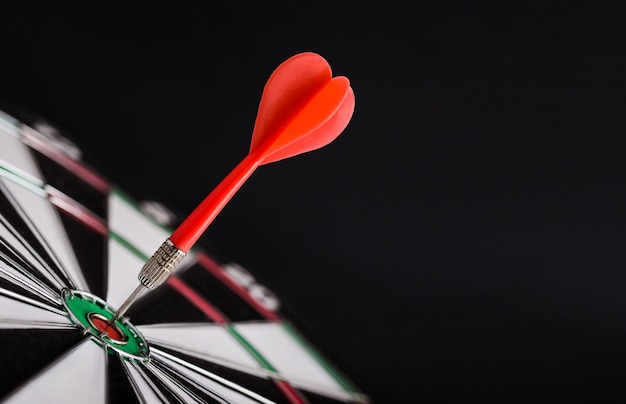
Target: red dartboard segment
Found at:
292, 394
216, 270
207, 308
214, 314
86, 173
76, 210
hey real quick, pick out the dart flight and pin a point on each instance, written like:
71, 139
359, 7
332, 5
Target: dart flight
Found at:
302, 109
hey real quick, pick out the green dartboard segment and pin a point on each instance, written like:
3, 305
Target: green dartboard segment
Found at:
91, 313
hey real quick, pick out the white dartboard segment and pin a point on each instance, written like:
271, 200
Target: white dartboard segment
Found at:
123, 268
17, 158
206, 341
9, 124
78, 377
127, 222
289, 357
43, 220
145, 390
21, 265
27, 279
175, 389
20, 314
229, 392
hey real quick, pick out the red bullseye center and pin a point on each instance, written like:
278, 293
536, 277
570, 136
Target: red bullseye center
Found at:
106, 327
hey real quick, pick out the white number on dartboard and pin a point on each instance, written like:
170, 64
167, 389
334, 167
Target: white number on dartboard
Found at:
259, 293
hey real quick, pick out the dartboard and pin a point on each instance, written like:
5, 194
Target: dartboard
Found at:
71, 246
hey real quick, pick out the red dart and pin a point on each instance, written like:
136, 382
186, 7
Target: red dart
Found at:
302, 108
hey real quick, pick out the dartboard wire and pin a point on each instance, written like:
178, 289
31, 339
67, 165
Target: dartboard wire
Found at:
76, 210
61, 360
32, 302
59, 273
37, 187
20, 176
184, 382
135, 374
48, 325
17, 260
256, 371
35, 263
26, 286
7, 122
34, 139
214, 314
20, 261
156, 344
17, 320
106, 377
162, 385
263, 372
164, 357
133, 383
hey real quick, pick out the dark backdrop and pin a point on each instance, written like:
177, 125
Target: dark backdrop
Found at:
462, 240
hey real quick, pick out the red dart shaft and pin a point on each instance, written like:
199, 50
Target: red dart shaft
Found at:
159, 267
190, 230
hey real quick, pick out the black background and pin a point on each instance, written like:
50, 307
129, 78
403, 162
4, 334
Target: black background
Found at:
462, 240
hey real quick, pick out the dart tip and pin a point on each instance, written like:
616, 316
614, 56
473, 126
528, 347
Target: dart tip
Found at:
127, 303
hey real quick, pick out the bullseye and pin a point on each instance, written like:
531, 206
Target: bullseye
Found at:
108, 329
95, 317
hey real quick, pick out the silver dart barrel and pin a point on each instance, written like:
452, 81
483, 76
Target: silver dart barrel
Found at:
161, 265
154, 272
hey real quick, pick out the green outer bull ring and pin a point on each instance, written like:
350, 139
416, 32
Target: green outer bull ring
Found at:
82, 307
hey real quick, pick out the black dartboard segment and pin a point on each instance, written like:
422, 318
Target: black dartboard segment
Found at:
214, 333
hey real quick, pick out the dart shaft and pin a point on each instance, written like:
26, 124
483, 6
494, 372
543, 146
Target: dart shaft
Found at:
167, 257
128, 302
154, 272
190, 230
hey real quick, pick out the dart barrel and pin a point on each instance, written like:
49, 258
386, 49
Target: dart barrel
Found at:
161, 265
